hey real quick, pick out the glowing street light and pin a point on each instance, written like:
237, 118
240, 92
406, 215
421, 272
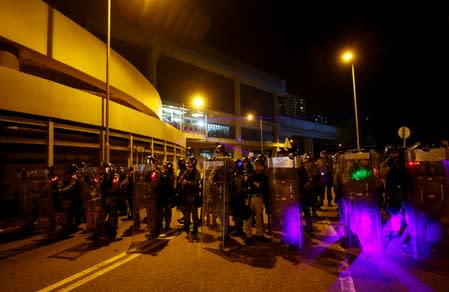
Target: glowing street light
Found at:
105, 146
198, 103
347, 57
252, 117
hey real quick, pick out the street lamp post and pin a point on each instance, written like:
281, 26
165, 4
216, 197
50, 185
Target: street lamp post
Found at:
106, 150
205, 126
261, 134
251, 117
347, 57
182, 118
198, 102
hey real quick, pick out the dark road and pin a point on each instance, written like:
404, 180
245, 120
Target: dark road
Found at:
173, 263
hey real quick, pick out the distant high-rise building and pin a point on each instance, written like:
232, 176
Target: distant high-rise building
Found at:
292, 106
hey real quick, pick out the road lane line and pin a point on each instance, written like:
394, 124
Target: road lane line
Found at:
99, 273
118, 262
82, 273
346, 282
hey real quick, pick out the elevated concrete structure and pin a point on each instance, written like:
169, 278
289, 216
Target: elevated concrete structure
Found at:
54, 76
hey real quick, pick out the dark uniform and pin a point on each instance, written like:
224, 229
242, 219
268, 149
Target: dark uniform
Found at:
166, 196
70, 193
109, 188
188, 191
397, 181
309, 178
256, 186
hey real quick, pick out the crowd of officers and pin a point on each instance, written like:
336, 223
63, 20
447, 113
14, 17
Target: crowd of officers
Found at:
98, 196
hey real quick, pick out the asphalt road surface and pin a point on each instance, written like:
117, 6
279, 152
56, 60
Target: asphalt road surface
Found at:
173, 263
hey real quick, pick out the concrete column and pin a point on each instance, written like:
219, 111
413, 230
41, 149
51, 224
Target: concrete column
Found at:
308, 145
131, 150
51, 143
151, 65
276, 117
238, 113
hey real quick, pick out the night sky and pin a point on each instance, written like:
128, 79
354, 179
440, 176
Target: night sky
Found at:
400, 72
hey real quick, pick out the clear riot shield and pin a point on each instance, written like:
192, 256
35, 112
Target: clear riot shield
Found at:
427, 207
286, 224
38, 206
361, 208
216, 196
143, 204
91, 196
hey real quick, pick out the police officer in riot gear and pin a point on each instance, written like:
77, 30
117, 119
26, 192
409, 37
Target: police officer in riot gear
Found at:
177, 200
55, 200
256, 187
396, 180
326, 169
109, 188
151, 202
309, 177
127, 189
70, 192
221, 188
188, 191
237, 202
166, 195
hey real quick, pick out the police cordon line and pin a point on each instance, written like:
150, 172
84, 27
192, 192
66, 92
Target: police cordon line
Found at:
400, 192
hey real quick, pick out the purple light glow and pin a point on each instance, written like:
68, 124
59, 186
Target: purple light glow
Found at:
383, 273
366, 224
396, 222
292, 227
424, 232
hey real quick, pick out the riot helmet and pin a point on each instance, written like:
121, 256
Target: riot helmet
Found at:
259, 161
220, 151
189, 151
246, 163
109, 168
80, 164
182, 163
262, 158
71, 169
324, 153
305, 158
238, 165
168, 167
52, 170
391, 149
21, 173
150, 159
191, 162
122, 172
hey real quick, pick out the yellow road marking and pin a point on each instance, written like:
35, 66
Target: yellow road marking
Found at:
99, 273
82, 273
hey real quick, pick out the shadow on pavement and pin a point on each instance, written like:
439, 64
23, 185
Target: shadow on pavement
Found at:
80, 249
261, 254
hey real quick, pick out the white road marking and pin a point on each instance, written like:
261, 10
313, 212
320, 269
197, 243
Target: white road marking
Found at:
346, 282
